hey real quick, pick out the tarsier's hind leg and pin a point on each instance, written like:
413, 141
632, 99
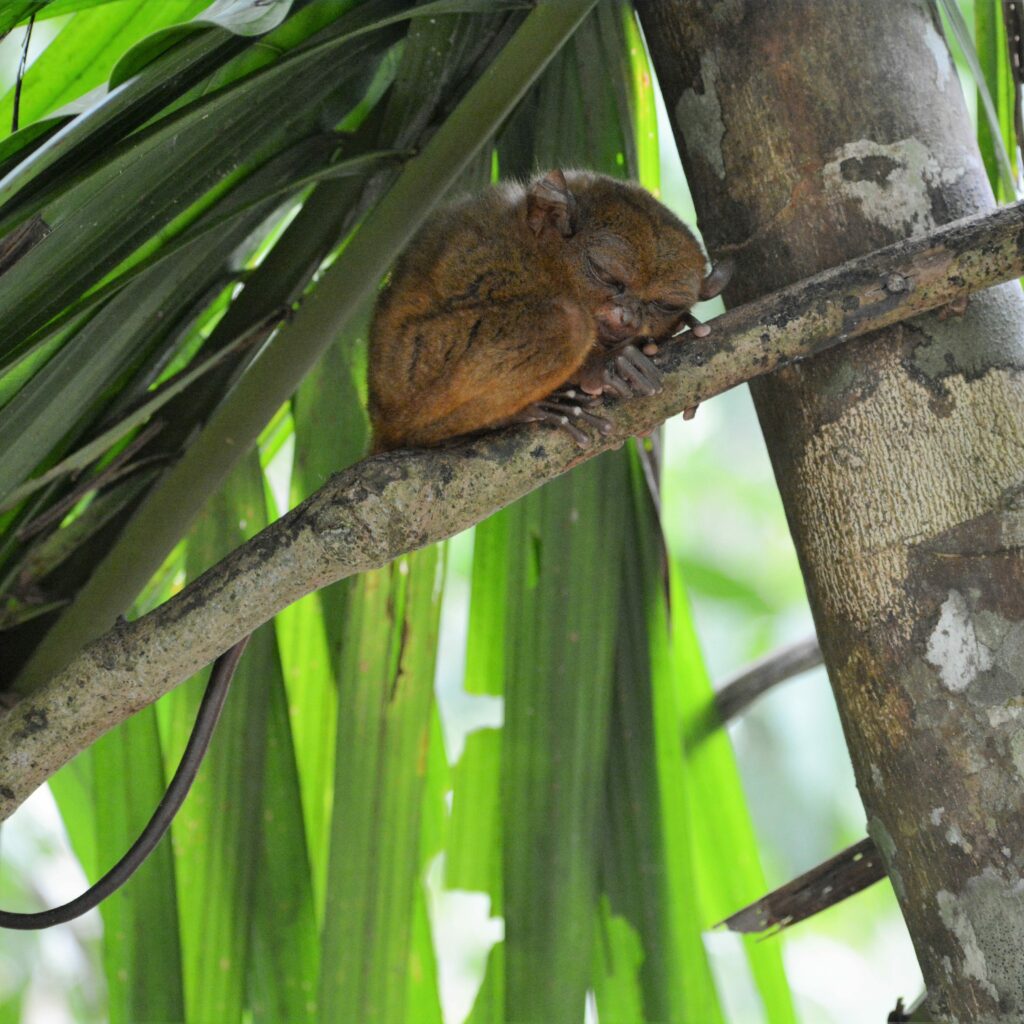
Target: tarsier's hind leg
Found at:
479, 367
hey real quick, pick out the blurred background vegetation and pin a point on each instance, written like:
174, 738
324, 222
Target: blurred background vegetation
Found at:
313, 875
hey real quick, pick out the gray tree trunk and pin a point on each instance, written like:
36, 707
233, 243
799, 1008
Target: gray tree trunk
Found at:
812, 132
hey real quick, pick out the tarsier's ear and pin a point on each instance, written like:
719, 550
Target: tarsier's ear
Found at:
550, 203
717, 279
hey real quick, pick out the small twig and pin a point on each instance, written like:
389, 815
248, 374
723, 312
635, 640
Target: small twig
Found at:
839, 877
915, 1012
898, 1015
738, 693
743, 689
21, 73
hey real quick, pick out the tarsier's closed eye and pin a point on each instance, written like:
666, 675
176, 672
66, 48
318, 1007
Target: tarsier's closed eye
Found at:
602, 274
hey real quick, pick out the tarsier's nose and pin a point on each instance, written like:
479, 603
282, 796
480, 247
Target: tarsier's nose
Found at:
628, 315
620, 320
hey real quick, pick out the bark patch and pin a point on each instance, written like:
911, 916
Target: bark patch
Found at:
858, 541
890, 183
988, 922
699, 117
954, 648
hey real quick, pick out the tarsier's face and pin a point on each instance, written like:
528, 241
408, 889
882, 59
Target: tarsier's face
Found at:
639, 268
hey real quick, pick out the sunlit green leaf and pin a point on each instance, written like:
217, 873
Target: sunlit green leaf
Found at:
143, 963
618, 961
285, 951
423, 997
996, 91
649, 866
565, 542
86, 50
217, 845
719, 818
385, 702
997, 150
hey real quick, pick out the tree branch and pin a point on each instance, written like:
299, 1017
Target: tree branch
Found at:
385, 506
840, 877
744, 688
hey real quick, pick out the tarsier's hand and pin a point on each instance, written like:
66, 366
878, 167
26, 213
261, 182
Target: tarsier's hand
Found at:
626, 372
693, 327
622, 373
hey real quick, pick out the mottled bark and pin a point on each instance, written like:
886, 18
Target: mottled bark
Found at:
812, 132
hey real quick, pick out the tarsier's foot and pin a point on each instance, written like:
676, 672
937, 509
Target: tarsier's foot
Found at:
566, 410
628, 372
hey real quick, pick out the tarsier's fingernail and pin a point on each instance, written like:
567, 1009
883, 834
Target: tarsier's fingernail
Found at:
650, 349
688, 414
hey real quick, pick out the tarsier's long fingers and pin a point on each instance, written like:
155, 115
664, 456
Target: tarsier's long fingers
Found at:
564, 423
564, 410
576, 396
575, 413
643, 376
613, 383
536, 413
628, 372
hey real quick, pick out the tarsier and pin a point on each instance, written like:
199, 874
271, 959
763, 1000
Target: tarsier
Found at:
523, 303
527, 303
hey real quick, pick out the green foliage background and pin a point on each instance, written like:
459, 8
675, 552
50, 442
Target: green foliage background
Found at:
240, 158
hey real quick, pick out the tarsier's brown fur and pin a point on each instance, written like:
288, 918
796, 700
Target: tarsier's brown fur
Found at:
507, 296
